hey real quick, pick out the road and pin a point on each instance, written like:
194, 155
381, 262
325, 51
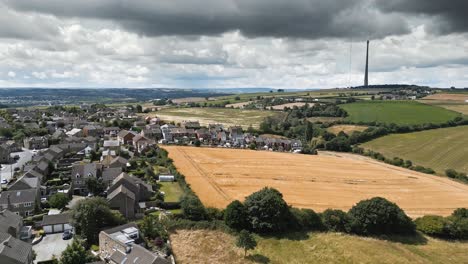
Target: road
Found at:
8, 169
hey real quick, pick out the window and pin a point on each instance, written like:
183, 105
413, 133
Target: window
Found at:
27, 204
28, 213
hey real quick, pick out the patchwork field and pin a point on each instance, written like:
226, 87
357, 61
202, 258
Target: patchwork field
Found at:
207, 246
398, 112
329, 180
225, 116
348, 129
290, 105
439, 149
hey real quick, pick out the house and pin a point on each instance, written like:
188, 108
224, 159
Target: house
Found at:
113, 145
203, 134
75, 132
119, 162
191, 124
111, 131
4, 154
36, 143
124, 200
166, 132
10, 223
120, 245
107, 157
80, 173
110, 174
14, 251
93, 131
56, 223
141, 143
22, 202
166, 178
13, 146
152, 133
126, 137
27, 182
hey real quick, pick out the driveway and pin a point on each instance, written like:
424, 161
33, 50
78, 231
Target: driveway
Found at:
51, 244
8, 169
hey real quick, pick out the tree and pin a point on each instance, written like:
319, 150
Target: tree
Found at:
89, 216
267, 211
378, 216
235, 215
309, 132
336, 221
432, 225
75, 254
139, 109
246, 241
59, 200
152, 228
192, 208
197, 143
94, 185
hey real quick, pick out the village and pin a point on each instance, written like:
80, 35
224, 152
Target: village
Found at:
95, 151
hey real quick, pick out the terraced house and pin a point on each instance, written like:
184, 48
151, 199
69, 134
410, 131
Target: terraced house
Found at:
21, 202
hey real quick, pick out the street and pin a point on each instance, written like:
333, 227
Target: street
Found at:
8, 169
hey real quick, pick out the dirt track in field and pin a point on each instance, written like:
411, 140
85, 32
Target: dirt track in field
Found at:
329, 180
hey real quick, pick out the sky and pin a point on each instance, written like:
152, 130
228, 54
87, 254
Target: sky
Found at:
232, 43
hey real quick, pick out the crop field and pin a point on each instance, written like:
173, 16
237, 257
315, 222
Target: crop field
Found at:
454, 102
398, 112
208, 246
348, 129
439, 149
319, 182
460, 97
225, 116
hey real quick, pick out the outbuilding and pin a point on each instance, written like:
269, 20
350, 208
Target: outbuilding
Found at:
56, 223
166, 178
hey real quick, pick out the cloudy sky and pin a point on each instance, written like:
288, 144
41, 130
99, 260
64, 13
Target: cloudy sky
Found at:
232, 43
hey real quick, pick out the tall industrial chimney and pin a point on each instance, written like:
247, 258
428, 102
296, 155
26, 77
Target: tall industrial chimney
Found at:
366, 76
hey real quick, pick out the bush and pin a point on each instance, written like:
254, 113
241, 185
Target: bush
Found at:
457, 227
59, 200
235, 216
192, 208
432, 225
306, 219
95, 248
378, 216
336, 221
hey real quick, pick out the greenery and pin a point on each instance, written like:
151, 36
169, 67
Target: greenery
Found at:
95, 186
378, 216
89, 216
152, 228
192, 207
397, 112
75, 254
172, 191
454, 226
447, 152
336, 221
267, 211
246, 241
59, 200
235, 215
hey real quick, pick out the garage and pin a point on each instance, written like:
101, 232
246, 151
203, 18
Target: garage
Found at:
56, 223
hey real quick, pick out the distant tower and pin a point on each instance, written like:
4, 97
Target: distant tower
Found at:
366, 76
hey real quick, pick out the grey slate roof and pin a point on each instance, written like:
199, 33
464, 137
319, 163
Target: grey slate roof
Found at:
63, 218
123, 190
22, 196
14, 249
9, 219
109, 174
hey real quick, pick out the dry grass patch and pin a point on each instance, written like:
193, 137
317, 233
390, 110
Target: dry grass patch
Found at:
348, 129
290, 105
319, 182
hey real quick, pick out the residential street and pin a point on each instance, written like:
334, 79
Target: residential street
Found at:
8, 169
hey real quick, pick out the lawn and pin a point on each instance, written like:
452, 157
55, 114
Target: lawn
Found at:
225, 116
172, 191
203, 246
439, 149
398, 112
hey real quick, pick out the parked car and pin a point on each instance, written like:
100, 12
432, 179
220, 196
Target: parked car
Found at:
68, 234
4, 181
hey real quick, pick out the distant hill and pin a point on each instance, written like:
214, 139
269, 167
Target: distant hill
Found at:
390, 86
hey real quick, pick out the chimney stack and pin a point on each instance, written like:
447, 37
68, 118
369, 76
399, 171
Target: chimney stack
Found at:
366, 76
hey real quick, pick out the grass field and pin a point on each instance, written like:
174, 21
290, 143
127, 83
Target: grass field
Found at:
172, 191
328, 180
398, 112
439, 149
348, 129
225, 116
207, 246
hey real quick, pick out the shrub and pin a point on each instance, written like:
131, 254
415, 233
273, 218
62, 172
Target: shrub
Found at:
59, 200
378, 216
95, 248
457, 227
306, 219
432, 225
460, 213
267, 211
192, 207
336, 221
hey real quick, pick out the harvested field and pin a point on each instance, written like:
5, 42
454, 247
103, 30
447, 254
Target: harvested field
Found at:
290, 105
188, 100
348, 129
208, 246
338, 181
447, 97
238, 105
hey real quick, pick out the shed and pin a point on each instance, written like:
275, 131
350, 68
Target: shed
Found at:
166, 178
56, 223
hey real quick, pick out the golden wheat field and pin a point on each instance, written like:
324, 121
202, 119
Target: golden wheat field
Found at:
328, 180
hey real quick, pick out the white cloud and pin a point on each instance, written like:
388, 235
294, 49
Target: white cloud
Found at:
11, 74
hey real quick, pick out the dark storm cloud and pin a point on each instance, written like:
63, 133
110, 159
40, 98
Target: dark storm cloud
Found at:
309, 19
449, 16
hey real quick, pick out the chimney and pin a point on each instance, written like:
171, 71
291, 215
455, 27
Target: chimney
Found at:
366, 76
8, 202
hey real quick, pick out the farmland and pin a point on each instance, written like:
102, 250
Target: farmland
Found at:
439, 149
398, 112
454, 102
208, 246
225, 116
329, 180
348, 129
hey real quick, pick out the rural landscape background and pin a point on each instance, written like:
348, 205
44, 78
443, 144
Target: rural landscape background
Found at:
233, 131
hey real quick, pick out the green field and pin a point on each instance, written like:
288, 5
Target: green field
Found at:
204, 246
225, 116
398, 112
172, 191
439, 149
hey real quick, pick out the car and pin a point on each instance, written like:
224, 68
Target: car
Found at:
68, 234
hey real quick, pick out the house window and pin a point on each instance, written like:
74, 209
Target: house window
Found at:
28, 213
27, 204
